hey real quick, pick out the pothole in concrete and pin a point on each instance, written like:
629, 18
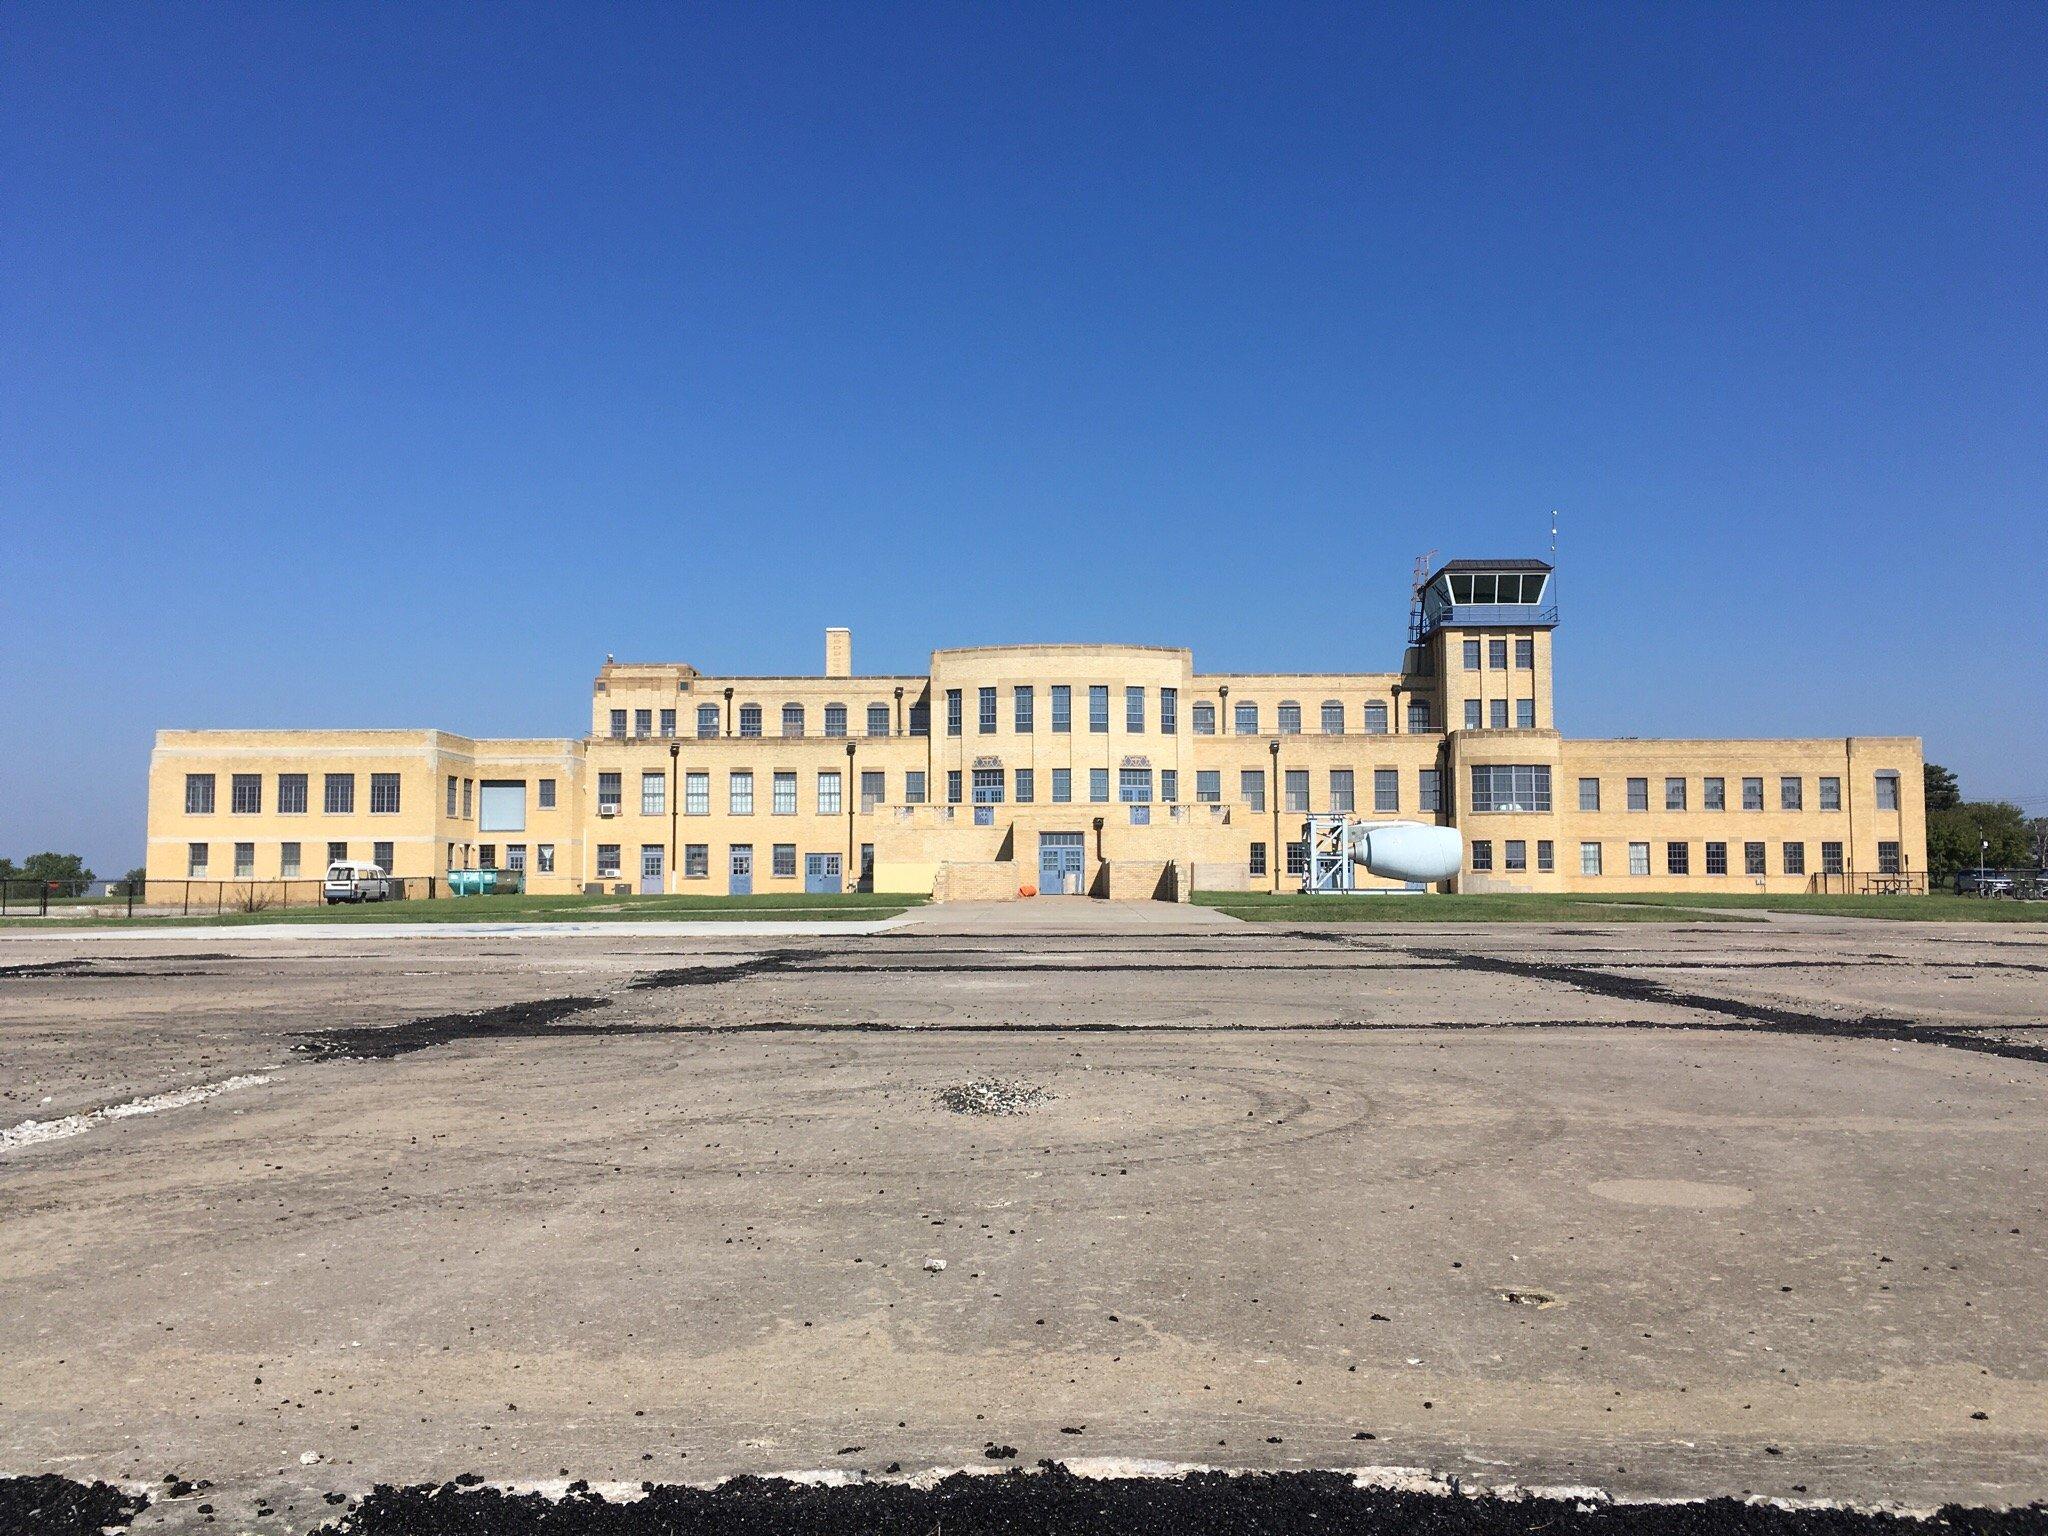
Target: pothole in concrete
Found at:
992, 1096
1526, 1298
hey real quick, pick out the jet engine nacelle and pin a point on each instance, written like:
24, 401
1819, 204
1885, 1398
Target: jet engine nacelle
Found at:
1407, 850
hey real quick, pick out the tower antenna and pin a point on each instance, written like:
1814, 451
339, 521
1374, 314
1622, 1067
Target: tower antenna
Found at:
1424, 564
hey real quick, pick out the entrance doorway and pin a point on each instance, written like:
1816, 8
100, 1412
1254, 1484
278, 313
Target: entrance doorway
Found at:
821, 874
1059, 863
650, 869
740, 871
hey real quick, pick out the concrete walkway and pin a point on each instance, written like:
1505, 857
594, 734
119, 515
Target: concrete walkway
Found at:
1065, 914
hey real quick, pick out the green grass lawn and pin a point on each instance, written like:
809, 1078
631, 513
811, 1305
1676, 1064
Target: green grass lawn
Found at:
1661, 907
775, 907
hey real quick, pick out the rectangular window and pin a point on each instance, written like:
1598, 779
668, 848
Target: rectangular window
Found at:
1245, 719
291, 794
1887, 791
544, 858
668, 722
1027, 786
1386, 789
1525, 714
1497, 714
835, 720
921, 718
952, 786
913, 786
288, 861
1791, 793
340, 789
1255, 863
1471, 655
783, 861
245, 794
547, 794
1752, 858
1714, 794
468, 797
1251, 788
878, 719
1831, 858
1098, 708
383, 794
1062, 708
1429, 790
1472, 718
1297, 859
1830, 794
696, 861
750, 720
618, 723
1294, 784
988, 786
792, 719
828, 793
1062, 785
952, 711
451, 793
1290, 720
515, 857
1752, 794
1717, 858
643, 722
1515, 855
1134, 711
1497, 655
503, 805
381, 854
195, 861
696, 793
1589, 794
985, 711
739, 792
1169, 784
1021, 702
337, 852
607, 861
782, 789
1546, 856
1888, 858
1482, 855
1639, 794
1795, 858
874, 788
1134, 786
1205, 719
245, 861
1525, 655
1098, 785
1677, 858
707, 720
1674, 794
1343, 793
1209, 786
1169, 711
654, 793
1589, 858
1511, 787
1639, 858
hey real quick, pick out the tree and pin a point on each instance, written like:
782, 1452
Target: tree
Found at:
135, 878
64, 868
1956, 838
1943, 793
2037, 833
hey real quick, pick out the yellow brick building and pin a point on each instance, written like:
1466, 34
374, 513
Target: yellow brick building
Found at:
1111, 770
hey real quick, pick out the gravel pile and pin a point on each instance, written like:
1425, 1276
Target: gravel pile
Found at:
992, 1096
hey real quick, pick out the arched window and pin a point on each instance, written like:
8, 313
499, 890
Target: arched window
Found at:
1205, 719
1247, 717
792, 719
878, 719
1418, 716
1333, 717
835, 719
1290, 718
750, 719
1375, 718
707, 719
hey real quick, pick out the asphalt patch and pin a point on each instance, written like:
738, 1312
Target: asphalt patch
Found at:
544, 1019
57, 1506
1055, 1502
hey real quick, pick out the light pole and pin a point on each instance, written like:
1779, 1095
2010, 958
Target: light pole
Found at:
675, 790
1273, 789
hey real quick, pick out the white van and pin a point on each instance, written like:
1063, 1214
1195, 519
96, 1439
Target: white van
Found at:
349, 881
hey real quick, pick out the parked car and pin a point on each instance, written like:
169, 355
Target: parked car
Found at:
349, 881
1989, 882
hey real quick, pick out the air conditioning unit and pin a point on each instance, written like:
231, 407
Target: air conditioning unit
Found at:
607, 809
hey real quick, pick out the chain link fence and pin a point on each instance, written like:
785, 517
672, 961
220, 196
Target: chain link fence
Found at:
58, 899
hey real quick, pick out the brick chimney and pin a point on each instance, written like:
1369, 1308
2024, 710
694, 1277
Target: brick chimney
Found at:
839, 653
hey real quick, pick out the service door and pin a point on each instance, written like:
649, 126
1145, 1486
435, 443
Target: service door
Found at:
1059, 863
821, 874
650, 869
740, 880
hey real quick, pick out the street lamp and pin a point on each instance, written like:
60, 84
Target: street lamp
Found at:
1273, 789
675, 790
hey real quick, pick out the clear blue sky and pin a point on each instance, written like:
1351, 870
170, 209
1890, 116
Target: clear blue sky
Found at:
389, 366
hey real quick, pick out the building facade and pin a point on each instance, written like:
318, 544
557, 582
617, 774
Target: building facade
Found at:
1112, 770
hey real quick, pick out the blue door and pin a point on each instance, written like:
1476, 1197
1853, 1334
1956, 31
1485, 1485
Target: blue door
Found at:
740, 871
821, 874
1059, 863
